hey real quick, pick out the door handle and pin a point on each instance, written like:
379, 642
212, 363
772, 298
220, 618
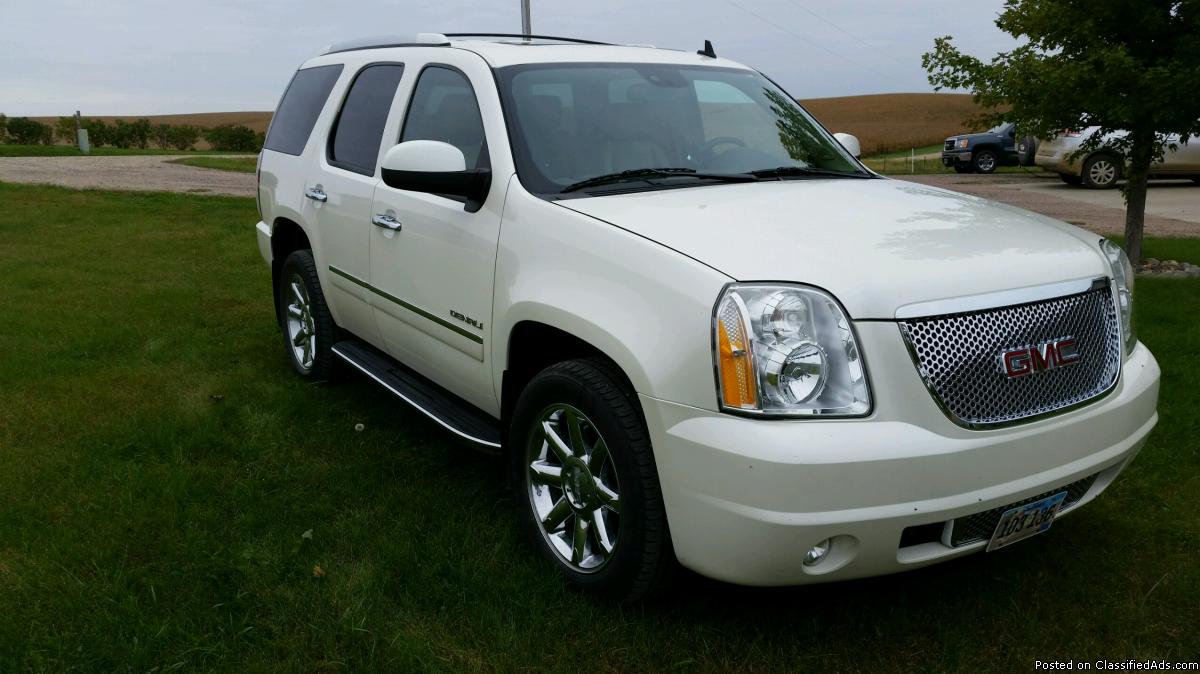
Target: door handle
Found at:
386, 221
316, 194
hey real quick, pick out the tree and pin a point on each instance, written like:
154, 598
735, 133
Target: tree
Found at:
231, 138
1121, 65
24, 131
3, 128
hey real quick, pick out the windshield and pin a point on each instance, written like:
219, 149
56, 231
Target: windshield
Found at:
573, 125
1001, 129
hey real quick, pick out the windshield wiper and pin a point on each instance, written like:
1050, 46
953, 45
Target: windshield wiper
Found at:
805, 171
643, 173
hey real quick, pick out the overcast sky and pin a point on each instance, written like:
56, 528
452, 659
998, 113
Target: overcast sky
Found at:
129, 57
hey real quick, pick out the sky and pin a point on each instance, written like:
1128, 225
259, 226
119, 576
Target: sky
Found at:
146, 57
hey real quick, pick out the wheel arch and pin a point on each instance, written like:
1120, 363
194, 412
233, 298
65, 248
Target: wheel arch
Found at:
287, 237
535, 344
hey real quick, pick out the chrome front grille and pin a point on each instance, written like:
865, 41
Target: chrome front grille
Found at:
949, 145
960, 357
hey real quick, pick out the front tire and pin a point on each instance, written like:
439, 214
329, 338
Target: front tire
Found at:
304, 318
585, 481
986, 161
1101, 172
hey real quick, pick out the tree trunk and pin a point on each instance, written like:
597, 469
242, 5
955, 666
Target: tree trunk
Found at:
1141, 152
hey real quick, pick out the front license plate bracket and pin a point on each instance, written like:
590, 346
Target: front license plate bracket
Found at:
1021, 522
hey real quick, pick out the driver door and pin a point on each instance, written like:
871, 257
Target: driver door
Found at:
433, 259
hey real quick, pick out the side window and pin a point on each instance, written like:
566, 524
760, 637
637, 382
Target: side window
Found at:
444, 108
298, 111
354, 143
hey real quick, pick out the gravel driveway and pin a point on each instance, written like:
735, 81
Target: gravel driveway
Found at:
1173, 207
138, 172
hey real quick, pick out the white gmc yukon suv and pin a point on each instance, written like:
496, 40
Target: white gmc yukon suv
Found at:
698, 328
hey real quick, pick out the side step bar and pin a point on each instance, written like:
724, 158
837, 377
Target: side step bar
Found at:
446, 409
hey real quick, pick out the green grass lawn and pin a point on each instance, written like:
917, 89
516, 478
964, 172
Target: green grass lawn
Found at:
172, 497
72, 151
902, 154
900, 166
237, 164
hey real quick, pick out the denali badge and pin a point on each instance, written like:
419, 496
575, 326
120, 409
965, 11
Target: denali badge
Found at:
1041, 357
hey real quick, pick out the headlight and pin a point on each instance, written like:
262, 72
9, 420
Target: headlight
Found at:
1122, 273
963, 142
786, 350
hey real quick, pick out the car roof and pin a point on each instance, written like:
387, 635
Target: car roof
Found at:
501, 51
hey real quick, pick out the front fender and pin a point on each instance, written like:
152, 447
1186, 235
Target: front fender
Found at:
645, 306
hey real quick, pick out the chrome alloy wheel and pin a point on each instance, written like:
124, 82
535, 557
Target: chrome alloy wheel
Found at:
987, 163
573, 488
1102, 172
301, 330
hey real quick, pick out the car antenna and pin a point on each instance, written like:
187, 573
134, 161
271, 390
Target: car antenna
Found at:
708, 50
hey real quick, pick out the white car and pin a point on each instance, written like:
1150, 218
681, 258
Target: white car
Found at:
1102, 168
699, 329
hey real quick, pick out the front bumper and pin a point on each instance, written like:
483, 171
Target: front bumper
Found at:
263, 231
747, 498
956, 157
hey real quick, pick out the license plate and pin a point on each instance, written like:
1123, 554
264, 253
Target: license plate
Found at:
1021, 522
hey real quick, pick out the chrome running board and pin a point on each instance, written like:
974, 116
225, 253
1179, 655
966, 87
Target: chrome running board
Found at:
444, 408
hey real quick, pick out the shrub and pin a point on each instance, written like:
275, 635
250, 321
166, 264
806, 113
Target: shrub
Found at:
99, 133
25, 131
233, 138
182, 136
161, 135
64, 129
3, 127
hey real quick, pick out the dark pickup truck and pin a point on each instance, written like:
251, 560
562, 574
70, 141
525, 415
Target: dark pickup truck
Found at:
982, 152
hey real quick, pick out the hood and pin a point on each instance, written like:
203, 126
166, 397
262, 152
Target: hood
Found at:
982, 135
876, 244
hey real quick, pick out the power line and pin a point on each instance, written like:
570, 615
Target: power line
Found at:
833, 25
803, 39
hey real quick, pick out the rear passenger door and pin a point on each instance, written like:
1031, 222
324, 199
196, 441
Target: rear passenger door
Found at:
433, 277
346, 174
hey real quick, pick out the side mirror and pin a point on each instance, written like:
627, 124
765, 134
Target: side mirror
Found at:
850, 143
435, 167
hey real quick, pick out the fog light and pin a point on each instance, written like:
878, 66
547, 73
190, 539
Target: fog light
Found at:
817, 553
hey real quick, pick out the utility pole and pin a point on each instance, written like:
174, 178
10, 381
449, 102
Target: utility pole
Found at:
526, 23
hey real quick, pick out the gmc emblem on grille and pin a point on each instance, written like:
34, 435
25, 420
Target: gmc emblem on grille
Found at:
1040, 357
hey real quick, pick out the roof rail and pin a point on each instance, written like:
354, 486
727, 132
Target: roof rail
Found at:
420, 40
524, 36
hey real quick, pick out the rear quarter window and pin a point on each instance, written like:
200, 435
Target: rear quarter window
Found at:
302, 103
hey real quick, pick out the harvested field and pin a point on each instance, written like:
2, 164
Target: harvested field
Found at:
882, 122
893, 122
255, 120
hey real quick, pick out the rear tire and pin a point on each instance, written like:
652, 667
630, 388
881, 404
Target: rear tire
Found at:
986, 161
585, 481
1070, 179
1027, 154
304, 319
1101, 172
